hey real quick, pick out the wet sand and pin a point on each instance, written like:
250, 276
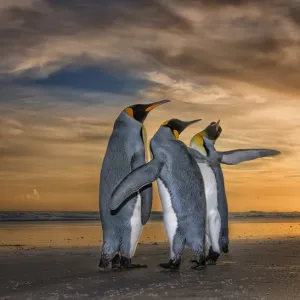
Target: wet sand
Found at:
88, 233
254, 269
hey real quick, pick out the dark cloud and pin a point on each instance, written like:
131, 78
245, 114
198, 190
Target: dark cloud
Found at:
25, 27
248, 41
106, 13
294, 11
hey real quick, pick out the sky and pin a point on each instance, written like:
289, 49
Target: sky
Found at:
68, 68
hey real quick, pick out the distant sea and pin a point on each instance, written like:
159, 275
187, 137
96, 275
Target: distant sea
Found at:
9, 216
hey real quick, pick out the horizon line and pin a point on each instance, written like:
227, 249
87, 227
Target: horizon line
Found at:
156, 211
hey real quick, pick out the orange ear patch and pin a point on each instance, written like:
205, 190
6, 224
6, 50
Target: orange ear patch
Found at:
176, 133
129, 111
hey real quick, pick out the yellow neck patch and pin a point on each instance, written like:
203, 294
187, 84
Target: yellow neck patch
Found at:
198, 143
129, 112
144, 134
176, 133
164, 123
197, 140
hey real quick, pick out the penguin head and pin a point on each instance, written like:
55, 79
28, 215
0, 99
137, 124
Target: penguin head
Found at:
211, 132
139, 112
177, 126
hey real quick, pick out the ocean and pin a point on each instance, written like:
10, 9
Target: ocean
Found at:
68, 229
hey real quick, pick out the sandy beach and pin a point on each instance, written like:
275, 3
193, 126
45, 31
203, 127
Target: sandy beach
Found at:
255, 268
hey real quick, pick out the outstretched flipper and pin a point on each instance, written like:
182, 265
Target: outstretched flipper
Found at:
234, 157
135, 181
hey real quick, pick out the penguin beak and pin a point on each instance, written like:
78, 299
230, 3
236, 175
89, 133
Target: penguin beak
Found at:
185, 124
218, 125
188, 123
151, 106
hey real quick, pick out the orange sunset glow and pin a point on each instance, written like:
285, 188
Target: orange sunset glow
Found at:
63, 84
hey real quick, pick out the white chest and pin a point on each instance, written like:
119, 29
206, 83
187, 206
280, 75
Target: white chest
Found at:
210, 186
170, 218
136, 224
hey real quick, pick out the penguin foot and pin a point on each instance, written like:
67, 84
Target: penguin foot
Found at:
210, 262
106, 264
199, 264
172, 264
212, 257
103, 264
115, 262
225, 249
125, 263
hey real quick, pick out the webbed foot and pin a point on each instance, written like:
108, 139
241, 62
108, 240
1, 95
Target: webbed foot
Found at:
200, 263
210, 262
212, 257
115, 262
172, 264
103, 265
193, 261
126, 264
225, 249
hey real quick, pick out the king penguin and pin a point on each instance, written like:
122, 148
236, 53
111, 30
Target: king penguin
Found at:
125, 152
181, 191
209, 160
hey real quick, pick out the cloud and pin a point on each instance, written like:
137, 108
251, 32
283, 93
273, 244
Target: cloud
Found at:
185, 90
227, 41
32, 196
10, 127
4, 4
42, 31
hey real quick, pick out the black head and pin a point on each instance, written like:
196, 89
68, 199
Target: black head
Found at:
213, 130
139, 112
177, 126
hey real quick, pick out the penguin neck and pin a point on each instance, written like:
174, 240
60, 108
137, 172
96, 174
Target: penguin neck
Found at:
197, 143
144, 139
124, 120
165, 133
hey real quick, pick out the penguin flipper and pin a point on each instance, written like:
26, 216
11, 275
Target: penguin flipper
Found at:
146, 197
234, 157
135, 181
146, 192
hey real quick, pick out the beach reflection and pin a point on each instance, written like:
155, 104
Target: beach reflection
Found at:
80, 234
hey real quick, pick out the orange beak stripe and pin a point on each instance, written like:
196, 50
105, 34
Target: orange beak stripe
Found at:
149, 108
